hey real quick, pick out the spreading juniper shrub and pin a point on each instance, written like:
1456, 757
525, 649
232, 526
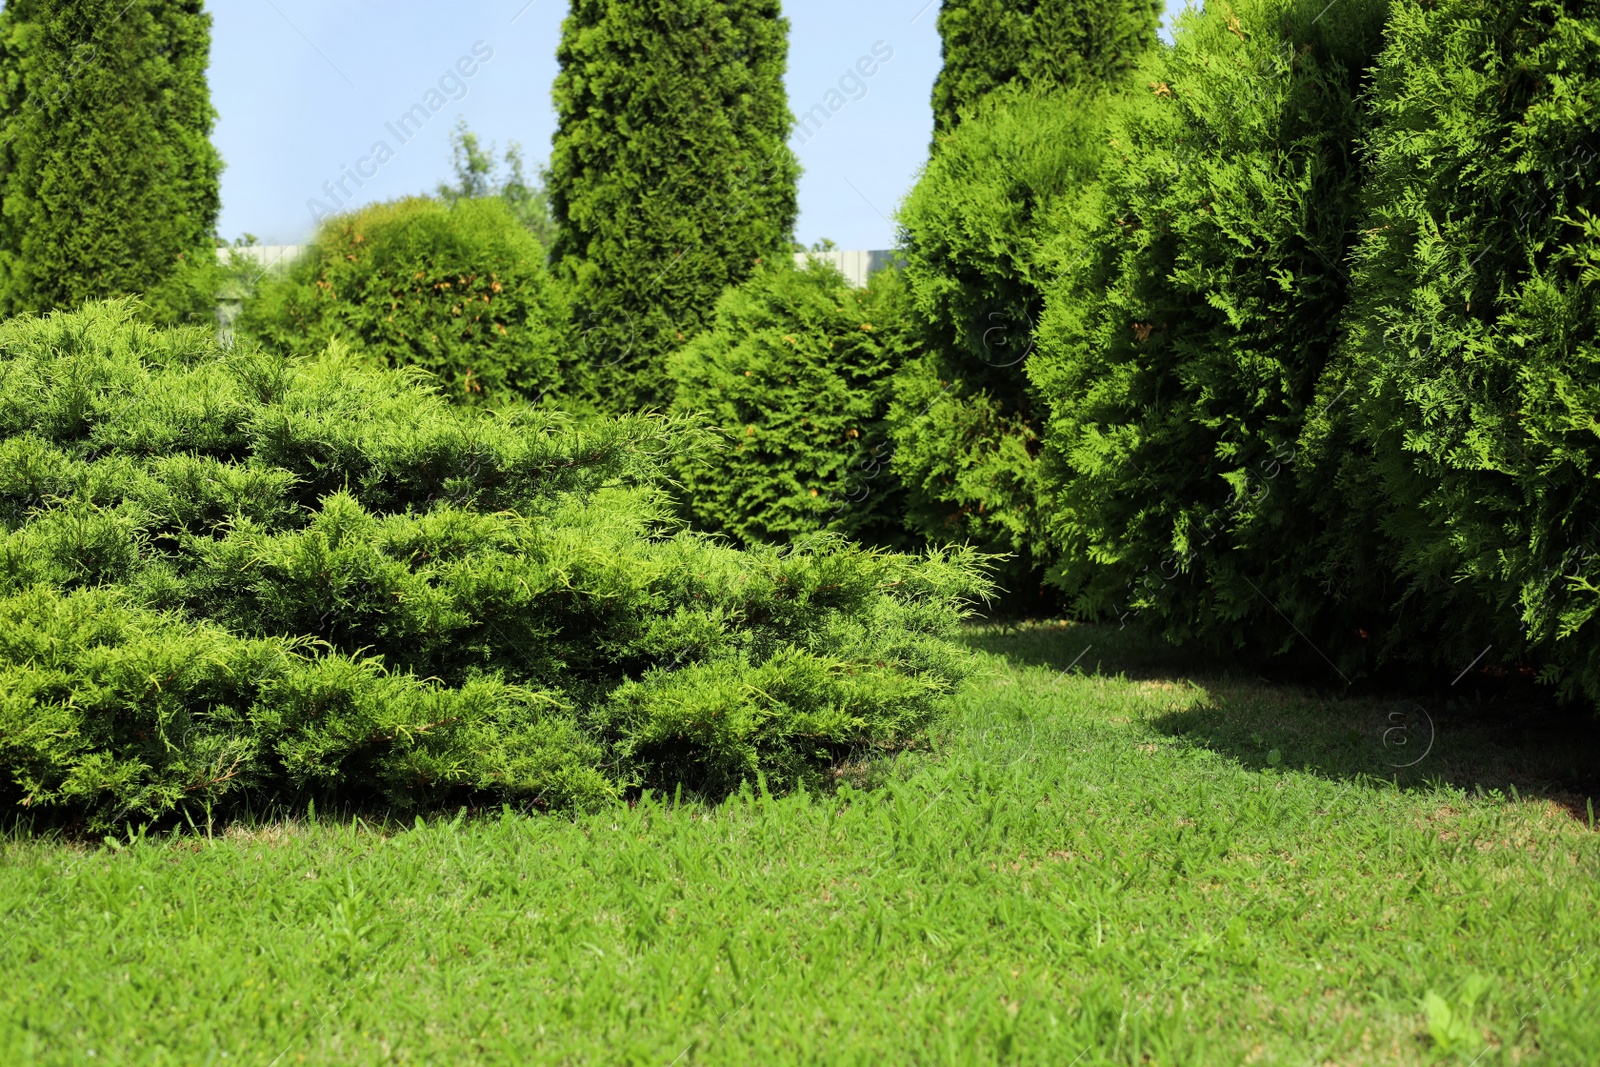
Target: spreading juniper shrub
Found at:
230, 574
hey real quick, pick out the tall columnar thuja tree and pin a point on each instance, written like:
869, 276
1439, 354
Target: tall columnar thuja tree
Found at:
1020, 111
1043, 43
670, 178
974, 230
1181, 350
108, 179
1471, 367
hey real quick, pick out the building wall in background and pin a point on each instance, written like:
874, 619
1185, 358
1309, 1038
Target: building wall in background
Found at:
856, 266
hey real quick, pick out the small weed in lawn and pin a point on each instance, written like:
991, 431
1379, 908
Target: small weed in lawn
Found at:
1452, 1022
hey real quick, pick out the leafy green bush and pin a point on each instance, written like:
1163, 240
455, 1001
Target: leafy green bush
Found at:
965, 424
670, 178
1199, 301
107, 172
460, 291
231, 571
1041, 44
795, 372
1466, 453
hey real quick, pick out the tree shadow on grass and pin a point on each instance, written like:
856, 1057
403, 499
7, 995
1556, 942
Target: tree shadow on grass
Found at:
1132, 652
1485, 742
1484, 732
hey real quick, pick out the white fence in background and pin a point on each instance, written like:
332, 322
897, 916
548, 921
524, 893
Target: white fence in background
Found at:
856, 267
265, 256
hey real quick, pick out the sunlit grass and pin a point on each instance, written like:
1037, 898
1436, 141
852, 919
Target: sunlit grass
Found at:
1151, 866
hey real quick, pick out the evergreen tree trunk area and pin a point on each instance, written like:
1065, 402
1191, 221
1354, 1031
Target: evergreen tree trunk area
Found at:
1044, 43
670, 178
108, 179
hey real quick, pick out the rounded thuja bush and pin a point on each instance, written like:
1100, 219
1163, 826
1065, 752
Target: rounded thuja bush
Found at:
795, 372
975, 233
458, 290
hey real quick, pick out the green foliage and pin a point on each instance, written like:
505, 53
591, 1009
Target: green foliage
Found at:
460, 291
107, 173
669, 179
478, 174
795, 371
1199, 301
968, 469
230, 571
965, 424
190, 292
1042, 44
1472, 360
1078, 838
110, 711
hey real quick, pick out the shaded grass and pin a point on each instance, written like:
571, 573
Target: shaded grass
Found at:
1156, 867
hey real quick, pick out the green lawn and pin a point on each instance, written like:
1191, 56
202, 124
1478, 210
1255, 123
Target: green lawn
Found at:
1126, 863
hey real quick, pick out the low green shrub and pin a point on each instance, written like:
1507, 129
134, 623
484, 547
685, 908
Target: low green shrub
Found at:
1199, 300
458, 290
795, 372
110, 710
1465, 456
965, 424
232, 573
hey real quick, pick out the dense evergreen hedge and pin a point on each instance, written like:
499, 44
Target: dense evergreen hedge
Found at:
965, 424
1466, 454
459, 290
107, 175
230, 575
1181, 354
1040, 44
669, 178
795, 371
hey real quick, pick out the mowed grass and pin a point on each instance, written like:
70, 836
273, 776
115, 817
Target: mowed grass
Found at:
1117, 863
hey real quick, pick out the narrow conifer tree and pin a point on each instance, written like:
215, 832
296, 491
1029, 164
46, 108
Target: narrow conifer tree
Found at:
1047, 44
670, 178
108, 179
1032, 84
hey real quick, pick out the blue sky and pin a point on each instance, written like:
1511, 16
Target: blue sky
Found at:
305, 88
